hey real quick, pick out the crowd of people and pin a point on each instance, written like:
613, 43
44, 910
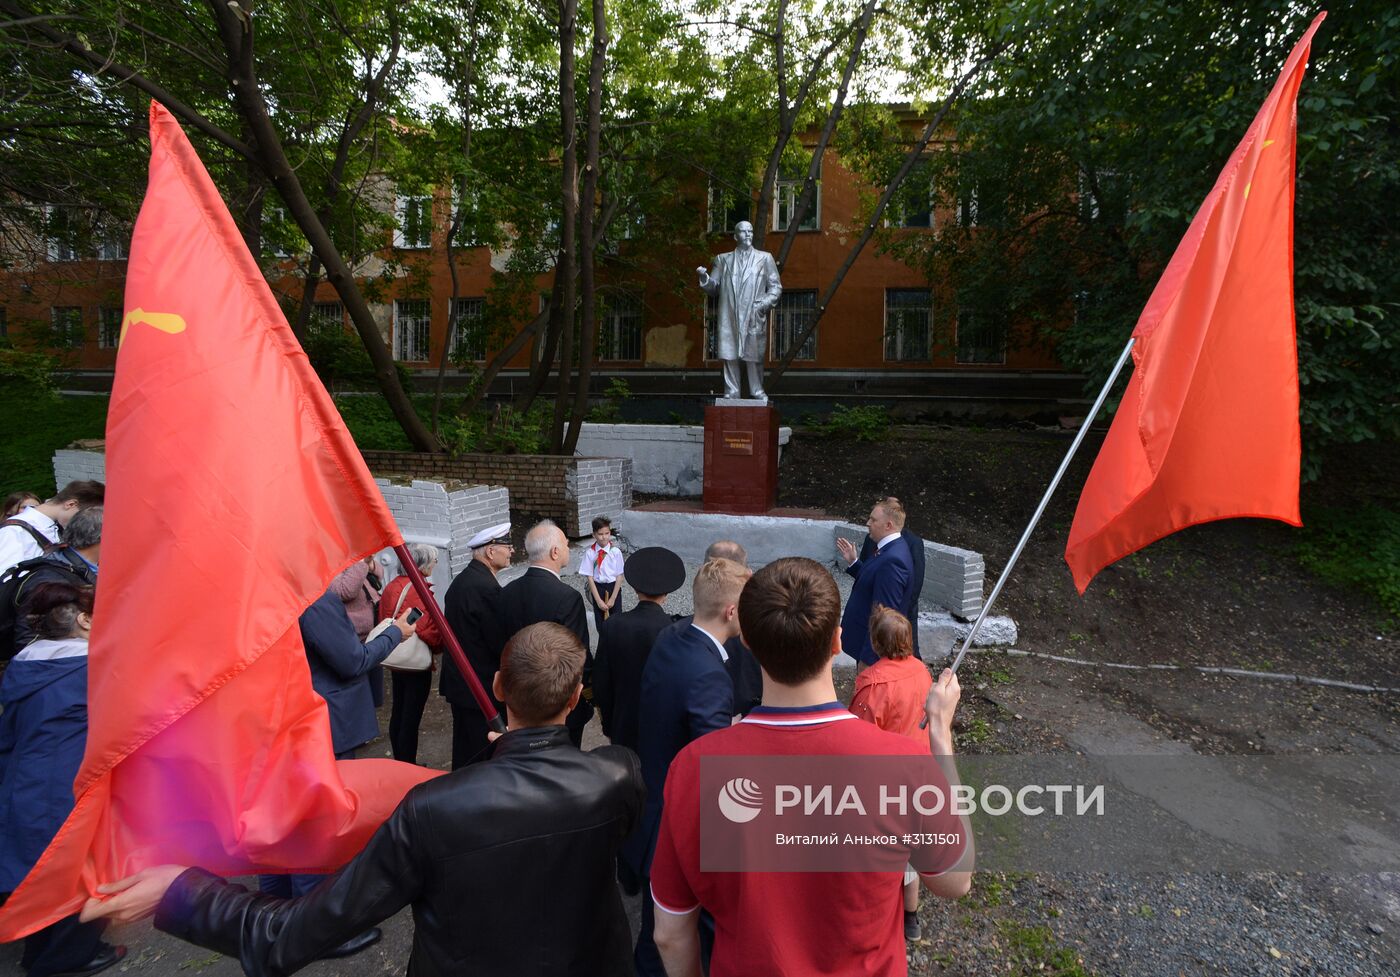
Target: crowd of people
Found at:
515, 863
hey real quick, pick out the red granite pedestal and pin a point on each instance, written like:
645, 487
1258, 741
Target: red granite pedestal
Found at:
741, 459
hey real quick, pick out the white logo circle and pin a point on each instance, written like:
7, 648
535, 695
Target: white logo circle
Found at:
740, 800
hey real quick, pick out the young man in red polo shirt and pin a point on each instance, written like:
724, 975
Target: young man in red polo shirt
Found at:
796, 923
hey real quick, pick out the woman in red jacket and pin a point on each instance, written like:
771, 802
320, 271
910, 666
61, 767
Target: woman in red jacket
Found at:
410, 689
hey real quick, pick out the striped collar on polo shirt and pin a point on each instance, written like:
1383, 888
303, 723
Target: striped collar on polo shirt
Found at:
797, 715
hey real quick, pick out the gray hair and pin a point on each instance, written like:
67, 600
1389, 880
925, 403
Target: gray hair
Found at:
726, 549
85, 528
540, 539
424, 555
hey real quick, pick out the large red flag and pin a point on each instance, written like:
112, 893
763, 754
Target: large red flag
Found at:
1208, 427
234, 495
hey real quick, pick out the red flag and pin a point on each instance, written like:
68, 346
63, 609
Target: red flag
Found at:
1208, 427
234, 496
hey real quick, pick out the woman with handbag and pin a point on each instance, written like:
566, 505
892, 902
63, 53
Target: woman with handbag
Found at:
412, 664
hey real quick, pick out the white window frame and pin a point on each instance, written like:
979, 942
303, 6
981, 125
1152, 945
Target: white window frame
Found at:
720, 202
56, 249
327, 316
785, 196
66, 336
424, 238
899, 218
710, 350
927, 354
420, 321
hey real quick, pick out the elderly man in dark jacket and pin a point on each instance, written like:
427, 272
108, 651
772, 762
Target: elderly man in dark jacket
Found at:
508, 864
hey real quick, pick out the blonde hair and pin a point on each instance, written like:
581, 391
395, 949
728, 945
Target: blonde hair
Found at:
893, 510
717, 585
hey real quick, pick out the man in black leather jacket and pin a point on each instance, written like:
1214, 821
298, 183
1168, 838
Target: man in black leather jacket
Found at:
508, 864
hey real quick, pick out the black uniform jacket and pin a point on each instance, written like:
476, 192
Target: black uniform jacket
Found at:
508, 866
538, 595
624, 642
472, 607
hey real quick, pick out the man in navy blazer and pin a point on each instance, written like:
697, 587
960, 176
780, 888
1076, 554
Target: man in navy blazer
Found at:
885, 577
916, 581
686, 692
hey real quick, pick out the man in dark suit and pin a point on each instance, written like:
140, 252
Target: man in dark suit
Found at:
686, 693
882, 579
625, 641
472, 608
539, 595
916, 581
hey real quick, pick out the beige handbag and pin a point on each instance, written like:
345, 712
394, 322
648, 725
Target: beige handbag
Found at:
412, 653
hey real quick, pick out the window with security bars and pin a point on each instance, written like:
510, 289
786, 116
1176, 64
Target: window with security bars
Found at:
413, 221
620, 328
327, 318
412, 330
795, 310
67, 326
711, 327
469, 336
109, 326
981, 336
908, 324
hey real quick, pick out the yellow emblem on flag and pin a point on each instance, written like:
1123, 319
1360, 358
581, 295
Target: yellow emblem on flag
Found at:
166, 322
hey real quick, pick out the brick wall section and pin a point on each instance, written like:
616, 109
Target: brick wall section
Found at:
446, 514
71, 465
547, 484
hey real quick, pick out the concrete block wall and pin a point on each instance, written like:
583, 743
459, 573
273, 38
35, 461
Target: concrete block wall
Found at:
597, 487
71, 464
445, 514
667, 459
537, 483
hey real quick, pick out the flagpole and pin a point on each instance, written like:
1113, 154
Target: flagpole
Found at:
1044, 501
483, 701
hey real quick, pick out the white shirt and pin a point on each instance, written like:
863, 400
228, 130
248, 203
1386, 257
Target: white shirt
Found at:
723, 655
605, 572
882, 543
16, 545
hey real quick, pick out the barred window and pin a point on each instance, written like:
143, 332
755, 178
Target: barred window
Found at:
327, 317
109, 326
711, 327
981, 336
469, 338
67, 326
620, 328
412, 330
795, 310
785, 196
908, 324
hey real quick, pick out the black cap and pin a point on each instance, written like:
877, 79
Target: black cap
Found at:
654, 570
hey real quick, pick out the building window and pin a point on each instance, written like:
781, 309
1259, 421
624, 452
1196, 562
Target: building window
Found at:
112, 243
711, 327
413, 225
109, 326
725, 210
912, 203
908, 324
67, 326
620, 328
1103, 196
412, 330
785, 196
4, 323
327, 318
981, 336
469, 340
795, 310
981, 202
61, 233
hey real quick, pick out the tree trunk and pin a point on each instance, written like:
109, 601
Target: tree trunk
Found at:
568, 218
236, 30
588, 330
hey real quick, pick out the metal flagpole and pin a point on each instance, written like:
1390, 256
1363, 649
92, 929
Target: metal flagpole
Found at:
1044, 501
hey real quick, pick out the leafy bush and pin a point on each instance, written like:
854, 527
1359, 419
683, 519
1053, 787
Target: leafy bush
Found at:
1355, 548
34, 369
37, 423
371, 423
869, 422
341, 360
610, 410
498, 430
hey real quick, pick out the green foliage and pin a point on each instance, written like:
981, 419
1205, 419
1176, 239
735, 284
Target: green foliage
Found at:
371, 423
35, 369
340, 360
500, 429
868, 422
1355, 548
1034, 949
38, 423
610, 410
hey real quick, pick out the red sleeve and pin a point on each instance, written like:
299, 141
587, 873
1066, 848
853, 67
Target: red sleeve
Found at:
427, 627
677, 849
861, 704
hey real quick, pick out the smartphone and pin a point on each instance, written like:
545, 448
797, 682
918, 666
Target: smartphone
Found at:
414, 615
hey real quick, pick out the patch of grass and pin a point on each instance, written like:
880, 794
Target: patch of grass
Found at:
1035, 950
1357, 548
38, 423
1000, 676
978, 731
869, 422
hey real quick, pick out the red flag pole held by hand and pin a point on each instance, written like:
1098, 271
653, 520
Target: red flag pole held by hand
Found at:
454, 648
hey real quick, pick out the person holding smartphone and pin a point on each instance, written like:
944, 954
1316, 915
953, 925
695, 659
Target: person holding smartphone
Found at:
410, 689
